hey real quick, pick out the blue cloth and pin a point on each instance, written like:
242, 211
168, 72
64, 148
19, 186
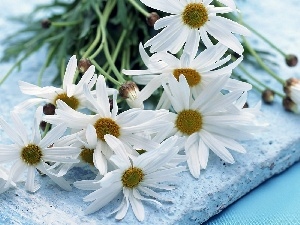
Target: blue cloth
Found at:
275, 202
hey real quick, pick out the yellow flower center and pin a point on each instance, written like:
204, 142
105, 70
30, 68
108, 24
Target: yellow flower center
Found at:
132, 177
106, 126
189, 121
70, 101
195, 15
86, 155
31, 154
192, 76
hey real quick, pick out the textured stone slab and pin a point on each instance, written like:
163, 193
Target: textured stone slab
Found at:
194, 201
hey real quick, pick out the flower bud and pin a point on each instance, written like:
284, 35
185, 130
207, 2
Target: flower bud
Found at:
291, 60
268, 96
49, 109
289, 83
289, 105
83, 65
130, 91
152, 19
45, 23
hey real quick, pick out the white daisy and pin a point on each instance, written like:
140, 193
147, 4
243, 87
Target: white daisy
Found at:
29, 154
192, 20
124, 126
199, 70
70, 93
210, 121
132, 178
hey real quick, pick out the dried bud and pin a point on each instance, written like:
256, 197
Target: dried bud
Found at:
289, 105
49, 109
152, 19
268, 96
45, 23
83, 65
289, 83
291, 60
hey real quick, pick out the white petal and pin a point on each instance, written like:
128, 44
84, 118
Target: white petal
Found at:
52, 136
99, 159
91, 135
117, 146
30, 180
216, 146
70, 72
137, 207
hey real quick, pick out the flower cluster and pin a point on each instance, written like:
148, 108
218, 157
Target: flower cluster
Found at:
139, 151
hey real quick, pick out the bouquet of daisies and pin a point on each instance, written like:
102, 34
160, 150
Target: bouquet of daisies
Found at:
139, 150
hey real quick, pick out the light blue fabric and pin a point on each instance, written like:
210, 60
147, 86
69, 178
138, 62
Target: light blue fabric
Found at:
275, 202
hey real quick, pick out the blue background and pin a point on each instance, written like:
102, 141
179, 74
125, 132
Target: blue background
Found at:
276, 202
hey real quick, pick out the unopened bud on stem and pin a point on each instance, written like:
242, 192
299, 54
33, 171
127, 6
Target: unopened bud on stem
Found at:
45, 23
49, 109
289, 105
268, 96
291, 60
83, 65
152, 19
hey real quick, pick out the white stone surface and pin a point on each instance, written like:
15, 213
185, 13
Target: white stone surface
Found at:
194, 201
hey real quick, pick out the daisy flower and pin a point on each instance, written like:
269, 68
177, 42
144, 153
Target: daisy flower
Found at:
192, 20
198, 70
133, 178
70, 93
124, 126
209, 121
29, 154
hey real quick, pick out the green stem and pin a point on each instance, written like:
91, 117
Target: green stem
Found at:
266, 40
13, 67
118, 47
94, 43
258, 82
105, 73
46, 130
64, 24
46, 64
261, 63
139, 8
106, 50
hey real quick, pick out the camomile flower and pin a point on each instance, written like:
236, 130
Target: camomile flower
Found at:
29, 154
191, 20
70, 93
198, 70
209, 121
134, 178
123, 126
